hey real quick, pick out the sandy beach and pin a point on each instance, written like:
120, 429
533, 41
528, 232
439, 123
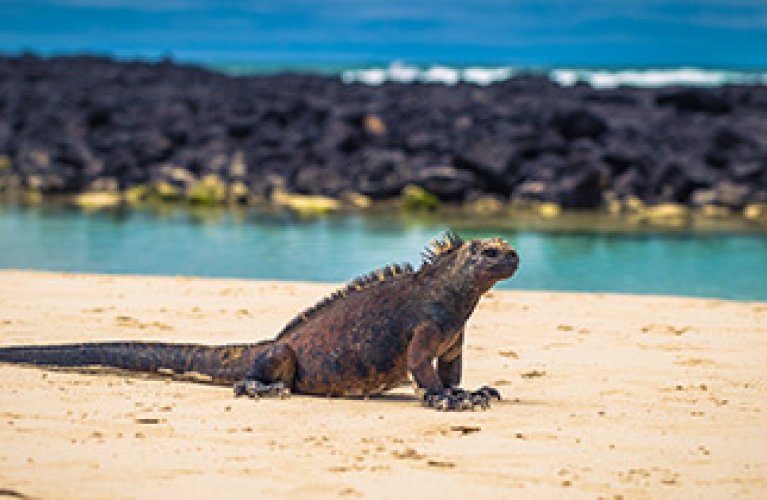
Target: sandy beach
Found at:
605, 396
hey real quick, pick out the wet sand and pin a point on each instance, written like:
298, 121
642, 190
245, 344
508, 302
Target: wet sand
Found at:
605, 396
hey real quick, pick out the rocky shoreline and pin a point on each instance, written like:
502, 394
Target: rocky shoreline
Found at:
108, 131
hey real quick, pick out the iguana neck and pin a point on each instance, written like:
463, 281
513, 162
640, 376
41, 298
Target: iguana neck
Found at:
454, 292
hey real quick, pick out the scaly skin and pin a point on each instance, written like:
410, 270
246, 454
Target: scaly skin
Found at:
363, 340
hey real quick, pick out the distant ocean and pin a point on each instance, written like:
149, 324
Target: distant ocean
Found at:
641, 42
401, 72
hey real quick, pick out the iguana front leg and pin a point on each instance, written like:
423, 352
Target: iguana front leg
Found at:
449, 364
437, 386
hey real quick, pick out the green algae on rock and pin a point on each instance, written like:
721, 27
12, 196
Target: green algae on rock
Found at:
417, 198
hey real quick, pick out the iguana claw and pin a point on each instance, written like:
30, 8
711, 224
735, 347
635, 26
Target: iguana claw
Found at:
455, 399
489, 392
256, 389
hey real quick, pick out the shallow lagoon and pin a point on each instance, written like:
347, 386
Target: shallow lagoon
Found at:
280, 246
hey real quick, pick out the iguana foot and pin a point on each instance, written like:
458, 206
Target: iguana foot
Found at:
256, 389
490, 392
455, 399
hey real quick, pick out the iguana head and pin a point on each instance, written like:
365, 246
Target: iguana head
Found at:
492, 258
478, 263
484, 262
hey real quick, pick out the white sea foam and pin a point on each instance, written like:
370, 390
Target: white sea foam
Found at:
598, 78
441, 74
654, 77
486, 76
372, 76
403, 73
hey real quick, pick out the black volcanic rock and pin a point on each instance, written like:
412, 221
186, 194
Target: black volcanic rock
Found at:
447, 183
489, 157
579, 123
703, 100
71, 123
579, 189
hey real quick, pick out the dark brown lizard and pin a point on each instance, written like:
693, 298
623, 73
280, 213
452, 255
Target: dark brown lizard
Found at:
362, 340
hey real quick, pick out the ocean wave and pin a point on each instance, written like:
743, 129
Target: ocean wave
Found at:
599, 78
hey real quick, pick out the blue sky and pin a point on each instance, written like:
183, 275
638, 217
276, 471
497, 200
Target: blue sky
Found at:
715, 33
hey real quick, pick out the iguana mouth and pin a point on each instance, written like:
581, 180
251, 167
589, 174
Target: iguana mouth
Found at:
515, 259
513, 262
510, 263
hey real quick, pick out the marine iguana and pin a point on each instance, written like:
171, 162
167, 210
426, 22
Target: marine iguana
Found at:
362, 340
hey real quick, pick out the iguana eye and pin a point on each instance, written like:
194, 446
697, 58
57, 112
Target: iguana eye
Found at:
490, 252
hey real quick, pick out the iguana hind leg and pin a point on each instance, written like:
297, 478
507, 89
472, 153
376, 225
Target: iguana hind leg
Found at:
272, 374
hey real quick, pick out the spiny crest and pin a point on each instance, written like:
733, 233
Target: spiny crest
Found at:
359, 283
448, 243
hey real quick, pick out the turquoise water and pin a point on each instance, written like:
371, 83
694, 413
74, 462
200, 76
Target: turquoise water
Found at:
279, 246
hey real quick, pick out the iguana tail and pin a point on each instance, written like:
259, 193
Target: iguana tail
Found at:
224, 364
